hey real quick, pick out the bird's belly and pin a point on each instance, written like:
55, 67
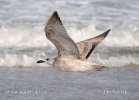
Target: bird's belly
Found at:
73, 65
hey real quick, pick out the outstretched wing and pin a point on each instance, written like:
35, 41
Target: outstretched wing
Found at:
57, 34
87, 46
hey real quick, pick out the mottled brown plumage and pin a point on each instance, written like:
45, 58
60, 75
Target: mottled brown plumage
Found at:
71, 56
86, 47
57, 34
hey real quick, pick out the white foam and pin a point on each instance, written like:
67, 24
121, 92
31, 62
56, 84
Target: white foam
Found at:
23, 37
126, 37
118, 61
15, 60
22, 28
35, 37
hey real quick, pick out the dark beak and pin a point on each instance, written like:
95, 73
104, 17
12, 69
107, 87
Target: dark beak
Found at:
40, 61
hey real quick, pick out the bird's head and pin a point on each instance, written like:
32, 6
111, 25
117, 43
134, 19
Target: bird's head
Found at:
49, 61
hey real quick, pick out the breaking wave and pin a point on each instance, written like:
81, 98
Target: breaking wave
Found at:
35, 36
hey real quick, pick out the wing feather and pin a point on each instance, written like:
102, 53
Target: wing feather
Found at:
86, 47
57, 34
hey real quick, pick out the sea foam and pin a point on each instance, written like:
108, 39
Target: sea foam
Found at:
35, 36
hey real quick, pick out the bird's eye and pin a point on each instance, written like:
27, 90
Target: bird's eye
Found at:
47, 59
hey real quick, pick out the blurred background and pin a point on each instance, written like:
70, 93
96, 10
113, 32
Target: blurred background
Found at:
23, 43
22, 23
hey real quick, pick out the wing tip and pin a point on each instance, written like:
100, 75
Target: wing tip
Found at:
106, 32
55, 13
53, 17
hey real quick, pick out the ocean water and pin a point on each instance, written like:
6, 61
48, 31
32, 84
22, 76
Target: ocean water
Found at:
23, 42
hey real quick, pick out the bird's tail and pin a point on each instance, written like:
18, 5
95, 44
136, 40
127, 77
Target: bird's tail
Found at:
99, 68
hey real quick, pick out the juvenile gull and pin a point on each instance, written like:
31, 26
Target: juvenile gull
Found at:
71, 56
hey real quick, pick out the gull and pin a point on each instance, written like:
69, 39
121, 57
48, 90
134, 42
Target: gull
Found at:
71, 56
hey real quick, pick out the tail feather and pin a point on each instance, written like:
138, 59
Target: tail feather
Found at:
99, 68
